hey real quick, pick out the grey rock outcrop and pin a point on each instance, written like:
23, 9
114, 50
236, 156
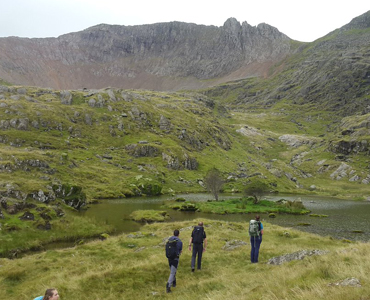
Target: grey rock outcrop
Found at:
294, 256
164, 123
296, 141
175, 163
348, 147
341, 172
352, 282
44, 197
66, 97
233, 244
142, 150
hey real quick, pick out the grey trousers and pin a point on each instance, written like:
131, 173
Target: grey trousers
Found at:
173, 269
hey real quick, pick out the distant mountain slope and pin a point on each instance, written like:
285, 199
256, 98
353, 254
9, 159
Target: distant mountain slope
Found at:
332, 73
163, 56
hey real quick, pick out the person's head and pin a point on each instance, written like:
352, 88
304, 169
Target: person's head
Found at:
200, 223
51, 294
257, 218
176, 232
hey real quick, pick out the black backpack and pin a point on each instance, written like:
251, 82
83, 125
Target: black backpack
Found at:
171, 249
198, 234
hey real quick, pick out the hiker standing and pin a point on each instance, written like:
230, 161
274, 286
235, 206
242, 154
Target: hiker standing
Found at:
173, 251
255, 233
198, 236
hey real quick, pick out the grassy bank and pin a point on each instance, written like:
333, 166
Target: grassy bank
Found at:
240, 206
20, 236
134, 266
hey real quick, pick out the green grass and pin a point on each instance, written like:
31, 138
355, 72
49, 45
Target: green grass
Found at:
75, 150
242, 206
19, 236
132, 265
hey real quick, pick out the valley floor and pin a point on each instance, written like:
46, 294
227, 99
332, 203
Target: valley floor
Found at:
134, 265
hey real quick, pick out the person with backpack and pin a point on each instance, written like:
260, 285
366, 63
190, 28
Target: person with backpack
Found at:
198, 236
50, 294
173, 251
255, 234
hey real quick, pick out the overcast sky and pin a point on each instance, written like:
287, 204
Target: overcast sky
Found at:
301, 20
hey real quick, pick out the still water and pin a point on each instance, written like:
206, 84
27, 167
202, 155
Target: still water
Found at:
344, 216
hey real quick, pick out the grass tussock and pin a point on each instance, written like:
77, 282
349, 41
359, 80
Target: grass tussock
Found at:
134, 265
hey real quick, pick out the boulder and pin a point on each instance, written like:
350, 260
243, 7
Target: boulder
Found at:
66, 97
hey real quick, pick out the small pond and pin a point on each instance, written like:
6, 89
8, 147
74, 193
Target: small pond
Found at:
345, 217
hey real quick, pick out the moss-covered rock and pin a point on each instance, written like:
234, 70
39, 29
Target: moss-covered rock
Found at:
149, 216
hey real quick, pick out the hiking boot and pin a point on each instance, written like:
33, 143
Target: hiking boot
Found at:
192, 269
168, 289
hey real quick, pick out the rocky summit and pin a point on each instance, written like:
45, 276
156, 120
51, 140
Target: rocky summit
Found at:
162, 56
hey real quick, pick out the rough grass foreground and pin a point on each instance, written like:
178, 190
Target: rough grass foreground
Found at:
133, 266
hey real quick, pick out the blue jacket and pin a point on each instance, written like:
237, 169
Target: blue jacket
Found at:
39, 298
178, 245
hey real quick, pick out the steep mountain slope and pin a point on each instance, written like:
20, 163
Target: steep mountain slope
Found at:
332, 73
163, 56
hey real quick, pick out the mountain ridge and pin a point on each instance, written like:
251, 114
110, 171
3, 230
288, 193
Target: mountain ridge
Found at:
176, 55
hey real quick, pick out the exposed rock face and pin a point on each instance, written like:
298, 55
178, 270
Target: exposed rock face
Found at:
295, 141
163, 56
348, 147
142, 150
329, 73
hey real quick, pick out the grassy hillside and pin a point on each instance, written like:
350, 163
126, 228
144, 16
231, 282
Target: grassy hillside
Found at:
134, 265
118, 143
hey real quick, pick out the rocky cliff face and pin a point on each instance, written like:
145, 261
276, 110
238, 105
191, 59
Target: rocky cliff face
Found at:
163, 56
331, 73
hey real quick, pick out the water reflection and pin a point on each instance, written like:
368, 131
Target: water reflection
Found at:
344, 216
